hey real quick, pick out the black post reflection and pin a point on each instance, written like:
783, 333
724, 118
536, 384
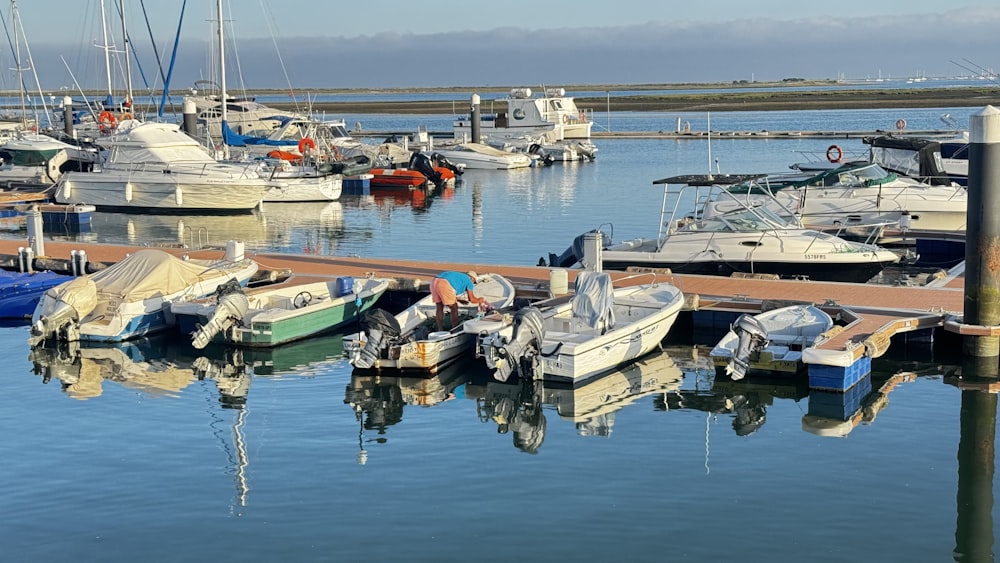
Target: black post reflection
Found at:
974, 530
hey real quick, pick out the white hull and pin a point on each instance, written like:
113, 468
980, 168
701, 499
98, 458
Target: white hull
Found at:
159, 191
305, 188
790, 330
571, 351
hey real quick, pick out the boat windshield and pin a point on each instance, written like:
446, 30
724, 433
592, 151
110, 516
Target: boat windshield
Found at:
863, 176
739, 220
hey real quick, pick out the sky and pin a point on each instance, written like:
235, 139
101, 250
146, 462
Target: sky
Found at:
327, 43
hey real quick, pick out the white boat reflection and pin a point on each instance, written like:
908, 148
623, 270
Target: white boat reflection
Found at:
517, 406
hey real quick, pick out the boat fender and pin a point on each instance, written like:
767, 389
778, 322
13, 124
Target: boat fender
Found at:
834, 153
125, 116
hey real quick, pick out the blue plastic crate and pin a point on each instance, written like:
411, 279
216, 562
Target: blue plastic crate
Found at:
836, 378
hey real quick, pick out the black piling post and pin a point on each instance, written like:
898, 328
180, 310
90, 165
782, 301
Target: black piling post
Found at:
475, 118
68, 117
982, 237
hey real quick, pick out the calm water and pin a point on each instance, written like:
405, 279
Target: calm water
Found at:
158, 452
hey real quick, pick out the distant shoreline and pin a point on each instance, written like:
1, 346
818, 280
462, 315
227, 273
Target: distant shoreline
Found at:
741, 101
744, 100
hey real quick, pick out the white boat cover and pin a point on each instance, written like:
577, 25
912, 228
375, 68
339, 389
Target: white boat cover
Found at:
593, 299
150, 272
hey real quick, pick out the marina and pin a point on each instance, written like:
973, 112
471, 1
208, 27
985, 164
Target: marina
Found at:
250, 420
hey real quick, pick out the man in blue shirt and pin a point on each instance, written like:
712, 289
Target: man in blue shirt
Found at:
446, 288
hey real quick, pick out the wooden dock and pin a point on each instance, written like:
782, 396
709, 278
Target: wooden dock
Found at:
871, 314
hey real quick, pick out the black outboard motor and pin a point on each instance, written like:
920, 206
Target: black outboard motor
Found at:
752, 337
574, 253
440, 160
381, 329
422, 163
536, 149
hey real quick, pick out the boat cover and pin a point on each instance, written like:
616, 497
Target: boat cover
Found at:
234, 139
150, 272
80, 294
593, 299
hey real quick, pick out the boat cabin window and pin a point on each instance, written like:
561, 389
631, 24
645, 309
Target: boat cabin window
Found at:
863, 176
555, 105
237, 108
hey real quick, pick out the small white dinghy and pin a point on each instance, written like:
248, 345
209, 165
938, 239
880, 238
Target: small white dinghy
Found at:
770, 341
598, 330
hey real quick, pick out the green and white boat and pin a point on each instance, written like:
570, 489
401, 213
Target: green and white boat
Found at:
298, 308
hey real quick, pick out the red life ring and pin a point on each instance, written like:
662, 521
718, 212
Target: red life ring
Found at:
565, 118
900, 124
306, 142
834, 153
106, 121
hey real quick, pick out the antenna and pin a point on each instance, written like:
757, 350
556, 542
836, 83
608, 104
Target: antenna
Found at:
709, 116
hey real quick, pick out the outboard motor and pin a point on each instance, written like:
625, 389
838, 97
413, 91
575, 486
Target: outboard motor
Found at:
574, 253
752, 337
231, 306
422, 163
536, 149
60, 309
440, 160
520, 354
381, 329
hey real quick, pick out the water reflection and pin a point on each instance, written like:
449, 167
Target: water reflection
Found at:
82, 370
518, 406
378, 400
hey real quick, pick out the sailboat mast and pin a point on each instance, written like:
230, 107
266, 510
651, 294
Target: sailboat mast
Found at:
107, 53
128, 60
222, 77
17, 61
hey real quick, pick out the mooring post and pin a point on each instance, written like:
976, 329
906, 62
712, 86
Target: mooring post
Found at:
190, 117
68, 117
475, 118
982, 236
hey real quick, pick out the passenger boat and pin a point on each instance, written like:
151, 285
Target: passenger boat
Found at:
600, 329
20, 291
727, 234
528, 114
155, 167
771, 341
131, 298
266, 316
409, 341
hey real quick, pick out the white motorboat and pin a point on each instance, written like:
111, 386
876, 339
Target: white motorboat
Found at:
863, 194
328, 138
551, 112
245, 115
734, 236
408, 341
131, 298
156, 167
38, 161
599, 329
301, 182
936, 161
771, 341
483, 157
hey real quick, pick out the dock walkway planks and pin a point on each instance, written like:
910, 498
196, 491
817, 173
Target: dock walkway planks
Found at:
883, 310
